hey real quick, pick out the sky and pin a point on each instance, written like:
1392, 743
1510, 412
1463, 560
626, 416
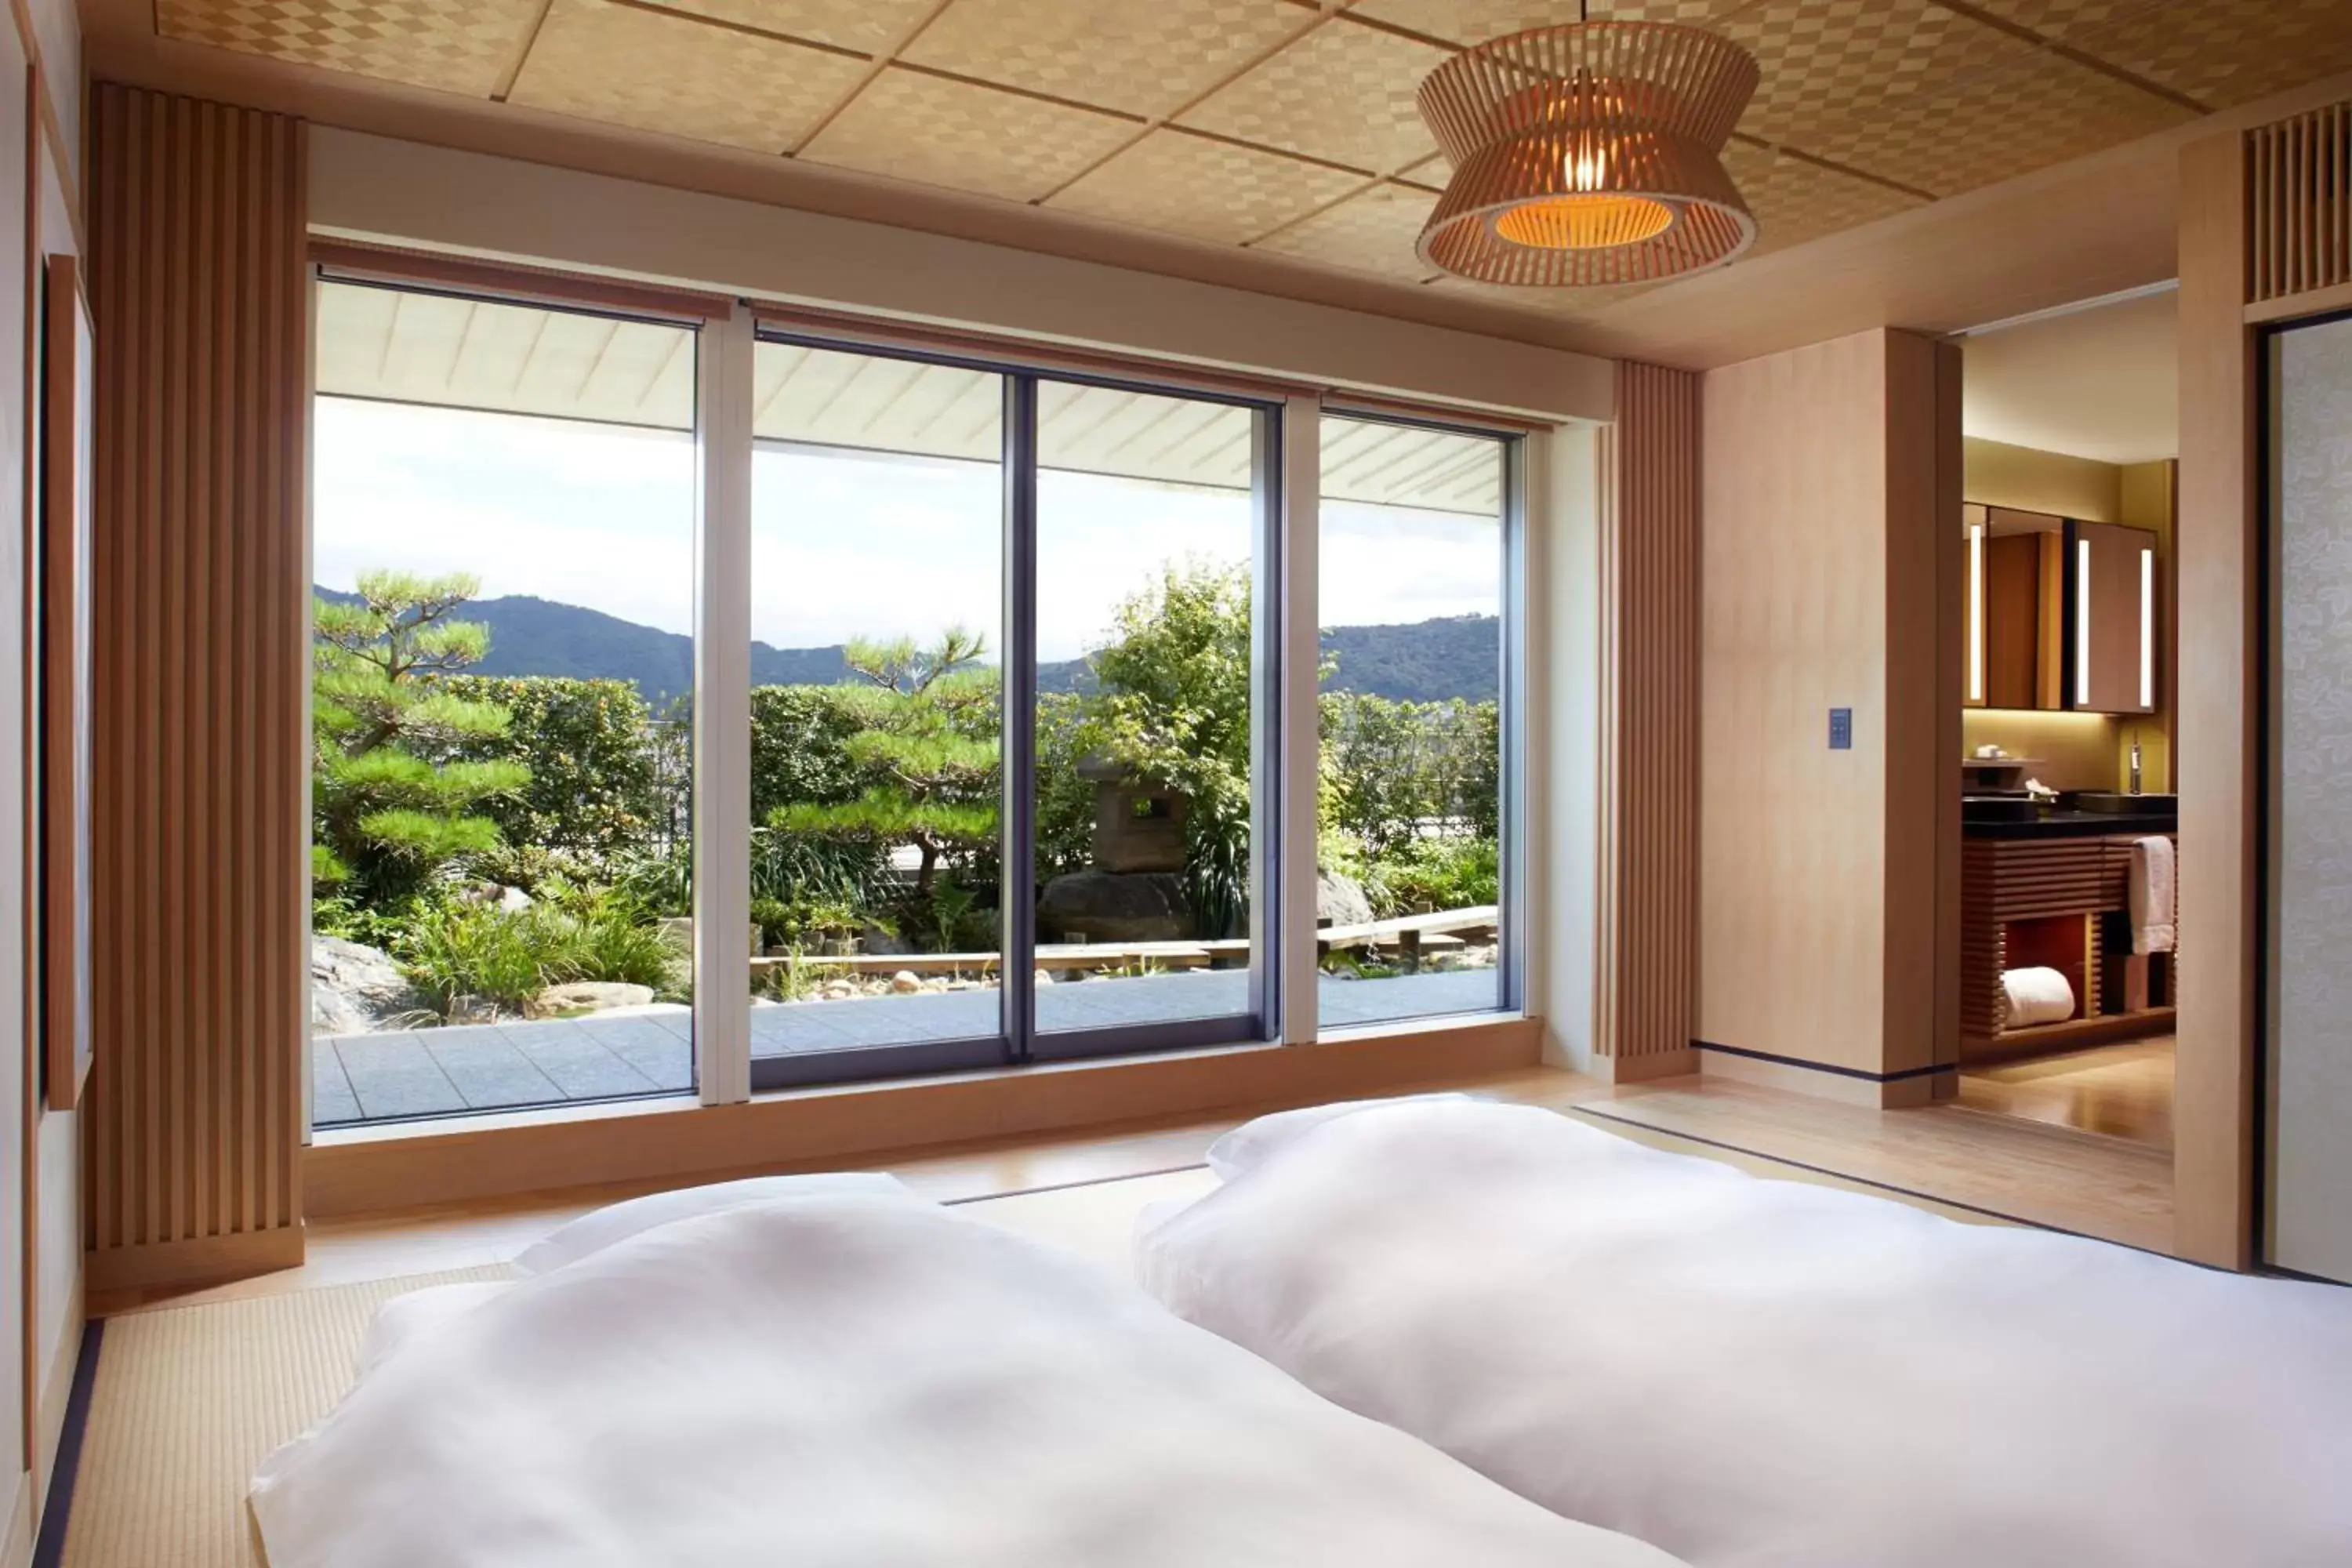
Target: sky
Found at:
843, 544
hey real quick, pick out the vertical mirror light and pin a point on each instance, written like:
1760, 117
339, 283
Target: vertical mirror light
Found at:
2083, 623
1976, 613
876, 706
2147, 628
1146, 535
503, 515
1413, 579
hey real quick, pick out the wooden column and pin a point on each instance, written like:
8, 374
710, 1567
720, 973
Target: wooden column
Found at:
1646, 969
198, 297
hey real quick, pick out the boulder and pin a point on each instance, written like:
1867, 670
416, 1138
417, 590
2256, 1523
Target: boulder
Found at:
1340, 900
590, 997
1108, 906
905, 981
356, 989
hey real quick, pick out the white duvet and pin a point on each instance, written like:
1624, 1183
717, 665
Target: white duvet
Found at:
856, 1380
1762, 1374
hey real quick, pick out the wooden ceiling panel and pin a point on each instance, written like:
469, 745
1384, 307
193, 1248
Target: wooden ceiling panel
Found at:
1839, 62
1476, 21
1343, 93
1203, 189
1141, 56
957, 134
1373, 231
455, 46
2221, 55
866, 26
2042, 110
624, 66
1795, 200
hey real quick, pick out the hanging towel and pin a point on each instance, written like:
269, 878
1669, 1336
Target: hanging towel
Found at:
2151, 896
2036, 997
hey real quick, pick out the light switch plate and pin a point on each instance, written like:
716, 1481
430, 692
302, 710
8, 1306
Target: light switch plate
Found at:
1841, 729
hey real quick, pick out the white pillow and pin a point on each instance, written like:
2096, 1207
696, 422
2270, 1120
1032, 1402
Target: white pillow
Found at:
2037, 997
595, 1231
1250, 1143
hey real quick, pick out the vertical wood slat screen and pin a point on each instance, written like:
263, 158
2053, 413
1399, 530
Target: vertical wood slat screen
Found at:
1648, 962
2299, 188
198, 298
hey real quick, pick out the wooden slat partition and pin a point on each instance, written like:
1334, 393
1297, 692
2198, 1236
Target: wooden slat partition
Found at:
2299, 185
1647, 969
198, 296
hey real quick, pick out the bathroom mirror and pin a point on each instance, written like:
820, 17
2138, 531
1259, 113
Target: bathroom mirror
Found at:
2061, 614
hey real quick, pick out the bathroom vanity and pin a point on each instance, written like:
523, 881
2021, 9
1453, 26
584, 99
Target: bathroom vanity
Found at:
2050, 888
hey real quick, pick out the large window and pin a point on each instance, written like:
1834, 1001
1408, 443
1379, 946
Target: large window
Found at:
1414, 593
503, 551
991, 715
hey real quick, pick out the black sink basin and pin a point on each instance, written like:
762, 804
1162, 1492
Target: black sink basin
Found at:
1999, 808
2108, 804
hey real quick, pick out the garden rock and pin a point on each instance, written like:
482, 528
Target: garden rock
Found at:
905, 982
1107, 906
590, 997
356, 989
1340, 900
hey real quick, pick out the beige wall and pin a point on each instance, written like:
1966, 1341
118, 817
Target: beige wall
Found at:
1827, 563
1997, 474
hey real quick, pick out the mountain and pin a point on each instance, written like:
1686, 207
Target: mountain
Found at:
1452, 657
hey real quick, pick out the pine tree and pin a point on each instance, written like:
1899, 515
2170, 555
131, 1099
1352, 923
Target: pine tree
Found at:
389, 804
928, 743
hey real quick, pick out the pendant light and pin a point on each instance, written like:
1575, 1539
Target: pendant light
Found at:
1588, 153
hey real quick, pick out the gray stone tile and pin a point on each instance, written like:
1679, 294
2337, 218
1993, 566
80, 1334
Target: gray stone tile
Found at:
393, 1075
582, 1067
1345, 1002
488, 1070
645, 1043
332, 1099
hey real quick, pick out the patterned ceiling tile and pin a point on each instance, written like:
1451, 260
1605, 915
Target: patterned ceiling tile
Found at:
627, 67
1141, 56
2221, 55
1203, 189
1795, 201
1983, 129
1826, 62
1372, 232
868, 26
966, 138
1340, 92
1476, 21
458, 45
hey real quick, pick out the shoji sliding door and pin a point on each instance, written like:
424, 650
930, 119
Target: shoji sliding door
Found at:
2308, 1189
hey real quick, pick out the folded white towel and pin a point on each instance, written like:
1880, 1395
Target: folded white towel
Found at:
2037, 997
2152, 895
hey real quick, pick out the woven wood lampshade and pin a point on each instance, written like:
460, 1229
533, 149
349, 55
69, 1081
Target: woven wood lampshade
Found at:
1588, 153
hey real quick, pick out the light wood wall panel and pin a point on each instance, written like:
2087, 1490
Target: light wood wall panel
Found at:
1647, 966
198, 298
2265, 236
1828, 879
2299, 204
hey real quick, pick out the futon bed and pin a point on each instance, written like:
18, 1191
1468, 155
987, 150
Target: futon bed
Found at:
842, 1375
1760, 1374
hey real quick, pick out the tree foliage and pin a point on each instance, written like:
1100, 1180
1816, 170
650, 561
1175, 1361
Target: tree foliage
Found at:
925, 750
1174, 705
393, 797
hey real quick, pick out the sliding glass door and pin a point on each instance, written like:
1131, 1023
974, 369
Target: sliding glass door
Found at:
502, 694
1005, 670
818, 711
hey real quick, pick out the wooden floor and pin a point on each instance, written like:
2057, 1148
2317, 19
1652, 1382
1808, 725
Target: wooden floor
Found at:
2123, 1091
2007, 1150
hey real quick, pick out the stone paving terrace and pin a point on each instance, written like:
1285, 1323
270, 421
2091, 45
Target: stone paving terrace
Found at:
487, 1067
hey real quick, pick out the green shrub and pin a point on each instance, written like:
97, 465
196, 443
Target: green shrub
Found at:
800, 736
1390, 766
453, 947
598, 788
1435, 873
800, 922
